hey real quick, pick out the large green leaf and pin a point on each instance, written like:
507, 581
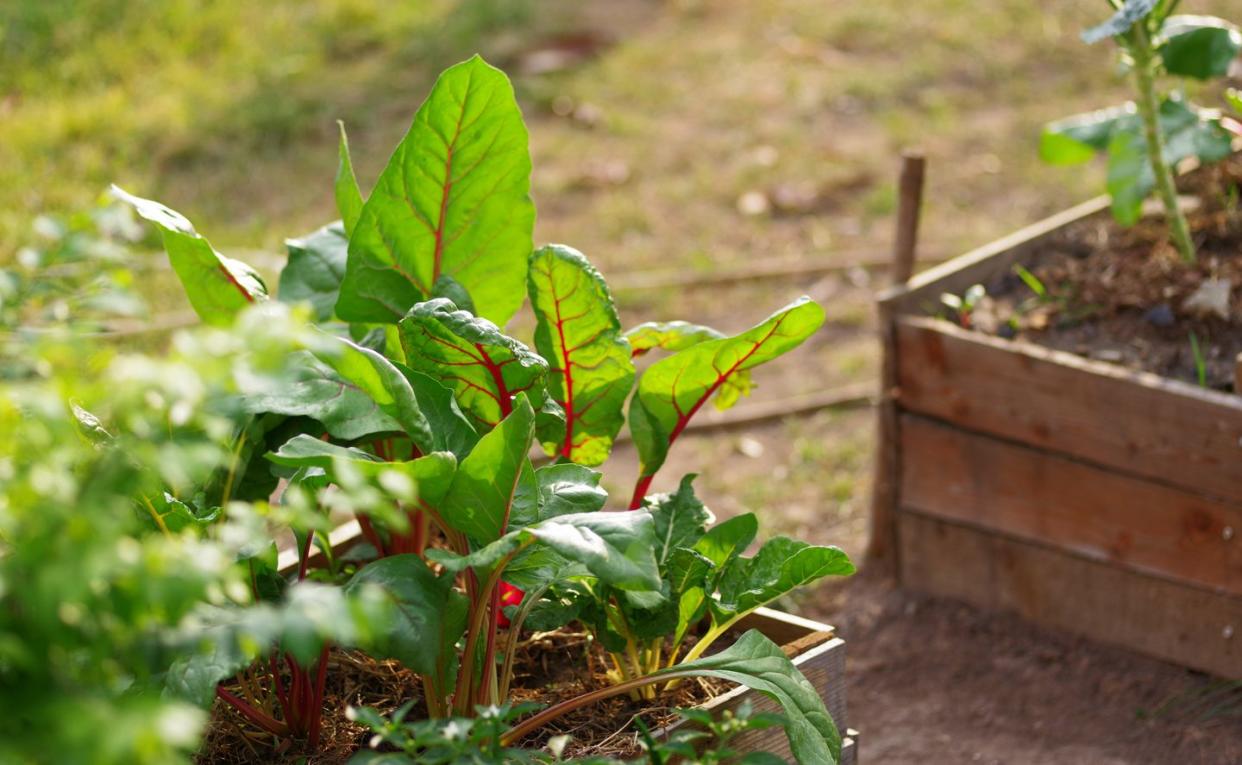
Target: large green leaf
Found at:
482, 493
557, 490
451, 430
454, 199
314, 270
669, 336
432, 474
1202, 47
614, 546
484, 367
348, 197
780, 566
757, 663
318, 392
380, 379
217, 287
673, 389
429, 618
578, 331
1077, 139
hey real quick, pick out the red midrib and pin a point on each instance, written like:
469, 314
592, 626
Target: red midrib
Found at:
567, 370
236, 284
444, 198
506, 405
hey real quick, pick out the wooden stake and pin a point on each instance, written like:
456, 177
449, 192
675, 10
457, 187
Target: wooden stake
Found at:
909, 209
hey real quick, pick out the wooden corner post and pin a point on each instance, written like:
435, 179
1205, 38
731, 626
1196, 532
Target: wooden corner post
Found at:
882, 547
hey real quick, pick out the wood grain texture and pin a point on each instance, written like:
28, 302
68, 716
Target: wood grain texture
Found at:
1176, 622
1134, 422
1101, 514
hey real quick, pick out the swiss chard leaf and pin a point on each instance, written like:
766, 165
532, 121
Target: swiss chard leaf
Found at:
672, 390
614, 546
454, 199
318, 392
780, 566
429, 619
451, 430
217, 287
557, 490
432, 473
1202, 47
680, 519
579, 333
757, 663
480, 499
484, 367
669, 336
348, 196
380, 379
314, 270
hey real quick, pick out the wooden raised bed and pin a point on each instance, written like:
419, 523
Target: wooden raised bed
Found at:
814, 648
1076, 493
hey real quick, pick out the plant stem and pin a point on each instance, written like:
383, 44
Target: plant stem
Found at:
1149, 110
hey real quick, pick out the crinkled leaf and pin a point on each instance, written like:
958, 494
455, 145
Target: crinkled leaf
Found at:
673, 389
680, 519
757, 663
482, 492
557, 490
780, 566
579, 333
454, 199
376, 376
614, 546
1120, 22
217, 287
1202, 47
348, 195
451, 289
484, 367
314, 270
318, 392
429, 615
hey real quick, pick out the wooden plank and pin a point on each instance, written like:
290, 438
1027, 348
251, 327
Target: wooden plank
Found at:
1135, 422
1179, 623
1034, 495
886, 477
987, 262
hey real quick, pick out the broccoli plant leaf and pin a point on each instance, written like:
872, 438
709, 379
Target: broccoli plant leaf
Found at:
1202, 47
1120, 22
673, 389
680, 519
484, 367
579, 333
348, 196
616, 547
318, 392
757, 663
217, 287
314, 270
480, 499
454, 199
1076, 139
429, 618
780, 566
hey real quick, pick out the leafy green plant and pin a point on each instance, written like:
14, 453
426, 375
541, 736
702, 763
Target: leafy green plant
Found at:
413, 408
1146, 140
960, 309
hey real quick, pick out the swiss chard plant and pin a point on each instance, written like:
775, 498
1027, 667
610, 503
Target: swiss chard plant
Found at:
1147, 139
414, 402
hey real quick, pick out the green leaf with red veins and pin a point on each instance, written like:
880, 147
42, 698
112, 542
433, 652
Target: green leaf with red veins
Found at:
673, 336
484, 367
481, 495
579, 333
454, 200
217, 287
672, 390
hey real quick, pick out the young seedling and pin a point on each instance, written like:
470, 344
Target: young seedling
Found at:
1147, 139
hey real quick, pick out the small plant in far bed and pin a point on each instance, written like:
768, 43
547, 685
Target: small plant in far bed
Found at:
1146, 139
415, 410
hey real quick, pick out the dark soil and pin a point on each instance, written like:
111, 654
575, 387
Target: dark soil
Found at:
936, 682
550, 667
1122, 295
